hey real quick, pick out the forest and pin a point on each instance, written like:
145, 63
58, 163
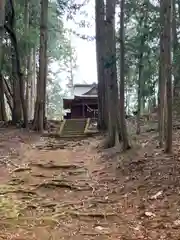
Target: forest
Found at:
111, 177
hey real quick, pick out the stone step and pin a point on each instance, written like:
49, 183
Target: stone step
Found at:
73, 127
74, 132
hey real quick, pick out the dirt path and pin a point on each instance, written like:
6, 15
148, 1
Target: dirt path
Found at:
57, 194
70, 191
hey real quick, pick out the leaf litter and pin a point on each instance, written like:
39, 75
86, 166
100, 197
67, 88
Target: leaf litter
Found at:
88, 193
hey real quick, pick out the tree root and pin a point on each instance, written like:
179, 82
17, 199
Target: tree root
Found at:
22, 169
50, 219
62, 184
56, 217
51, 165
6, 161
40, 175
22, 191
95, 234
52, 135
49, 205
91, 214
16, 181
75, 173
52, 146
152, 130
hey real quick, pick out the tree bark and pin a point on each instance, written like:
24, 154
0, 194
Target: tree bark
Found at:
2, 16
114, 131
143, 23
122, 80
17, 107
167, 61
139, 92
8, 94
176, 68
16, 70
39, 116
3, 116
100, 35
162, 81
30, 79
27, 55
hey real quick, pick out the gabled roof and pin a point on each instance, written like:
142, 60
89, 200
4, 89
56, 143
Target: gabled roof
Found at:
92, 91
84, 91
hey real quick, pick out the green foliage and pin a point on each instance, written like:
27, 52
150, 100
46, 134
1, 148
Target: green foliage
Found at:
142, 23
54, 99
59, 46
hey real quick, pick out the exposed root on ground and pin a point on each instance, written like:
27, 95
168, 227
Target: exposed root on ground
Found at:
91, 214
62, 184
95, 234
40, 175
57, 216
17, 181
51, 146
19, 191
51, 135
22, 169
84, 193
51, 165
6, 161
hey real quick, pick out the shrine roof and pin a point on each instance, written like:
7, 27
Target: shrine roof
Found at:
83, 91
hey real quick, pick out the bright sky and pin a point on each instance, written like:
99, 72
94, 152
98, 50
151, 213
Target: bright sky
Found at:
86, 50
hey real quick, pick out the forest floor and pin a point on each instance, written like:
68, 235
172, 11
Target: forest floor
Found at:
53, 190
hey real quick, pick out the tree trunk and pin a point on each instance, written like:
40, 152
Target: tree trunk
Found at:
122, 79
100, 35
162, 81
2, 15
8, 94
27, 56
143, 23
17, 108
16, 70
33, 82
30, 97
176, 68
111, 73
167, 61
3, 116
39, 116
138, 130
